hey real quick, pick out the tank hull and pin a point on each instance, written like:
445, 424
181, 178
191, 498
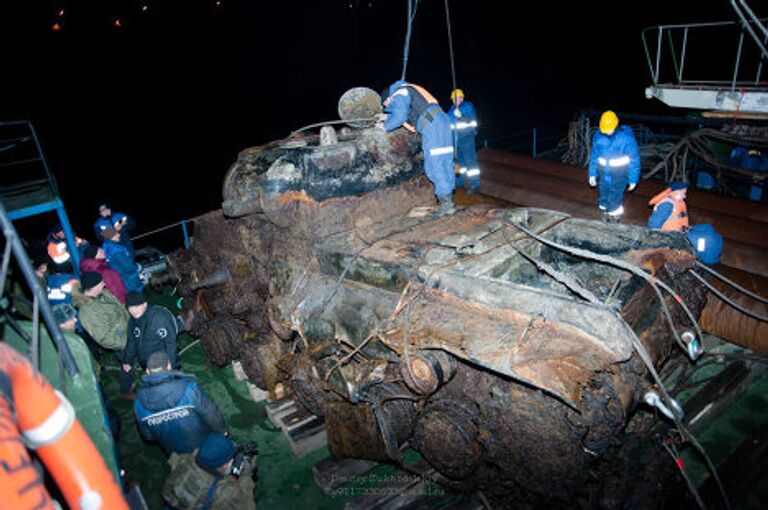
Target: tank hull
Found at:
440, 334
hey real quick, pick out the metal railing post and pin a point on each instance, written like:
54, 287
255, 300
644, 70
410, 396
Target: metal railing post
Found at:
738, 61
534, 143
682, 56
658, 56
186, 234
760, 65
22, 260
70, 237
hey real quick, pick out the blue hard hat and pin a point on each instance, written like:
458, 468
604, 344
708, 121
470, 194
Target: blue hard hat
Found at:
707, 243
215, 451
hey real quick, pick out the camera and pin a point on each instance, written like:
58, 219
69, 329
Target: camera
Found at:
63, 312
244, 456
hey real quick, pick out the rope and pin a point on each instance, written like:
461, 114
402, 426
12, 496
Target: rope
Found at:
185, 349
733, 284
714, 290
697, 143
145, 234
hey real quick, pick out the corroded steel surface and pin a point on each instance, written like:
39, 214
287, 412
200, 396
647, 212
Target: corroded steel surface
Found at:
724, 321
355, 165
402, 328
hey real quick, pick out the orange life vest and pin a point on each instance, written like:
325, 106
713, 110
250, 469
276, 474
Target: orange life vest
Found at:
677, 221
31, 409
58, 251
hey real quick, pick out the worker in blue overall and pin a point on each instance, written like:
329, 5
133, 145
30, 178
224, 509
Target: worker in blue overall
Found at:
614, 165
464, 126
120, 222
412, 107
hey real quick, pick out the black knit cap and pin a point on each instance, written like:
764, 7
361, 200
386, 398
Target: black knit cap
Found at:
90, 251
158, 360
89, 279
135, 299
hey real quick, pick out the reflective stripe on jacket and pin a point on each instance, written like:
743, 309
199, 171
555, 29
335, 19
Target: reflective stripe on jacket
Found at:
407, 104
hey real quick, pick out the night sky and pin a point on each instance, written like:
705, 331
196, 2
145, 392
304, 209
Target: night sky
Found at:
150, 115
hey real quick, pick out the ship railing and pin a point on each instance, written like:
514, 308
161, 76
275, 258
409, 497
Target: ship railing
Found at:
682, 55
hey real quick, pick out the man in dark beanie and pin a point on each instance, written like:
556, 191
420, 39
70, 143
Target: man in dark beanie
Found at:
206, 480
151, 328
172, 409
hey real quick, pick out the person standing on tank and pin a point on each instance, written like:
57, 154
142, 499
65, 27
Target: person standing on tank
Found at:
411, 106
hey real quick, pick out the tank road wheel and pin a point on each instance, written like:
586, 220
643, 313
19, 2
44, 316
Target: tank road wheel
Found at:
308, 387
446, 434
427, 370
395, 412
222, 340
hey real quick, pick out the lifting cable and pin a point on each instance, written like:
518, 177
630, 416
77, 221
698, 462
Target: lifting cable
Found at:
714, 290
672, 451
638, 346
413, 5
733, 284
454, 133
654, 282
450, 44
686, 434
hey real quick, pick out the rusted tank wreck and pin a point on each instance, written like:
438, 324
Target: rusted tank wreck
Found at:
506, 362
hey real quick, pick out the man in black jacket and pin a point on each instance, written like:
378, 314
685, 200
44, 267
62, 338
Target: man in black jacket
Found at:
173, 410
150, 329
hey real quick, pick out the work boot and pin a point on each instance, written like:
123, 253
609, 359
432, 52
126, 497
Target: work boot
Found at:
446, 206
608, 218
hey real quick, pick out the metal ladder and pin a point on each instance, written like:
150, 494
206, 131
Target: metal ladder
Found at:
27, 186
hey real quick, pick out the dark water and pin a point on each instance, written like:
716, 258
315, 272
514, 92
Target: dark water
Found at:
148, 117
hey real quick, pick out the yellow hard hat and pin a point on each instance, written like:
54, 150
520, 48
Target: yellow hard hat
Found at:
608, 122
456, 93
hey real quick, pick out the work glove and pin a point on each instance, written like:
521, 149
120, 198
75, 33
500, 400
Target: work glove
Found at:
631, 187
380, 118
457, 112
593, 182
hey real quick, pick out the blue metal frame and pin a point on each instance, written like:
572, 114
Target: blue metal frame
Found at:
186, 234
44, 207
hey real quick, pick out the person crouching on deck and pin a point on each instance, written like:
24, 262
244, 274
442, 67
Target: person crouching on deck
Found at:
670, 212
173, 410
